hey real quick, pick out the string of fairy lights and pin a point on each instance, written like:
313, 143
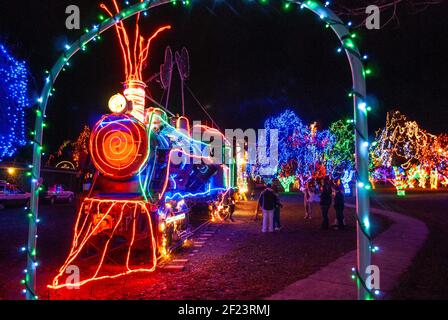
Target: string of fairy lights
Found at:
93, 35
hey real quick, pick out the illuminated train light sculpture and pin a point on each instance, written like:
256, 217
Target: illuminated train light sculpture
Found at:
148, 177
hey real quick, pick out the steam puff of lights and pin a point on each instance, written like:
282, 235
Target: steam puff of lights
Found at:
117, 103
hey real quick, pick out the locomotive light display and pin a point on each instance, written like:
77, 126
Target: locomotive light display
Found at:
142, 195
116, 205
152, 173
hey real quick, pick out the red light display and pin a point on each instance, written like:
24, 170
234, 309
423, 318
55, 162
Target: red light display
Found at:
112, 218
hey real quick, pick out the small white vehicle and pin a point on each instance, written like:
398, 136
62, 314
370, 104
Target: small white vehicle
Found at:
57, 193
12, 196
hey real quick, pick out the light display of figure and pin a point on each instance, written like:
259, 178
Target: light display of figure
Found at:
286, 182
372, 181
444, 181
399, 181
434, 179
422, 177
412, 177
241, 170
346, 179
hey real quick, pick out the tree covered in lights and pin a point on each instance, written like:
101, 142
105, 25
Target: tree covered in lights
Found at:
340, 156
291, 131
436, 154
400, 143
63, 153
14, 100
402, 146
74, 151
319, 144
81, 148
303, 149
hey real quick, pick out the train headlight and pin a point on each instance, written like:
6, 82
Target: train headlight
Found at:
117, 103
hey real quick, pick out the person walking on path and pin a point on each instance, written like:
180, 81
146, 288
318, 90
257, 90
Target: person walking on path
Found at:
308, 200
278, 205
231, 203
339, 206
267, 204
325, 202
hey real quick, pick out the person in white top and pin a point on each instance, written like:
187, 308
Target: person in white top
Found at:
308, 201
267, 203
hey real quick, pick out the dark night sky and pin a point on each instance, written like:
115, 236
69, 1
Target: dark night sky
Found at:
248, 61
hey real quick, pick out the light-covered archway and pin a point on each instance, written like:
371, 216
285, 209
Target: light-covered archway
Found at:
360, 117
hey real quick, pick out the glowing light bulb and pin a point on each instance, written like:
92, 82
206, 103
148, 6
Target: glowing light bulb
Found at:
366, 223
117, 103
362, 106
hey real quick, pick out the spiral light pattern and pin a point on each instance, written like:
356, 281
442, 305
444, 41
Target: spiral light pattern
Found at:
119, 146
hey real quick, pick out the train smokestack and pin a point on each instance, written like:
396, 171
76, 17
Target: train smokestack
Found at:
136, 93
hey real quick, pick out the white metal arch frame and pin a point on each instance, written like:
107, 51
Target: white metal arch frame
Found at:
360, 117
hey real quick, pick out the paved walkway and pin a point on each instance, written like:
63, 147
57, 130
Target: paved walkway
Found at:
398, 246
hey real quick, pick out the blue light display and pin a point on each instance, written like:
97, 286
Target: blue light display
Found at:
13, 102
307, 151
180, 196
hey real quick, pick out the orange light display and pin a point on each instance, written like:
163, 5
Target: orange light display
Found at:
135, 92
111, 218
135, 53
118, 146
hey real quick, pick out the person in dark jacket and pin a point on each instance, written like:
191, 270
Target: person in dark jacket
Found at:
339, 206
325, 202
277, 207
267, 202
231, 202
